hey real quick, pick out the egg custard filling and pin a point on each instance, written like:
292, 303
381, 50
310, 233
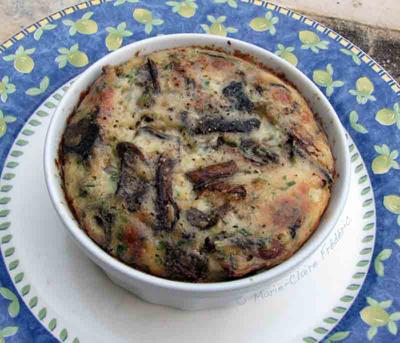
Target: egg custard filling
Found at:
195, 164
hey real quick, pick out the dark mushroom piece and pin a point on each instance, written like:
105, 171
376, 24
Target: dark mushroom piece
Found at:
203, 176
278, 85
238, 192
105, 220
154, 132
184, 265
235, 93
294, 227
208, 246
79, 137
166, 208
201, 219
273, 250
215, 55
153, 72
261, 247
190, 83
131, 187
204, 221
220, 124
257, 153
297, 145
151, 85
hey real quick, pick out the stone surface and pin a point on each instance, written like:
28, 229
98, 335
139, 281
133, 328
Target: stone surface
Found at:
383, 13
16, 14
381, 43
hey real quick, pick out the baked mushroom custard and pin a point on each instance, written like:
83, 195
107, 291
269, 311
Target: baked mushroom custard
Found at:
195, 164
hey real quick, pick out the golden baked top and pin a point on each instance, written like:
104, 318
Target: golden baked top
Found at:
196, 165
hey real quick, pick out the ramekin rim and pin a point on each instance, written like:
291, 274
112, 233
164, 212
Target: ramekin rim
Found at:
104, 258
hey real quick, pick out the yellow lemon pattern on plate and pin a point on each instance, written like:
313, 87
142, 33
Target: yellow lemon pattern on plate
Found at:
287, 54
185, 8
217, 26
324, 78
116, 36
4, 120
385, 160
6, 88
73, 56
266, 23
23, 63
85, 25
392, 203
376, 315
312, 41
363, 91
145, 17
387, 116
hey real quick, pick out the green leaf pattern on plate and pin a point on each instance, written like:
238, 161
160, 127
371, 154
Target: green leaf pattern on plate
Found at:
324, 78
353, 55
363, 91
231, 3
354, 123
85, 25
387, 116
266, 23
185, 8
145, 17
63, 335
375, 315
338, 336
378, 263
287, 54
385, 160
217, 26
6, 88
13, 307
44, 84
121, 2
39, 32
116, 36
7, 331
312, 41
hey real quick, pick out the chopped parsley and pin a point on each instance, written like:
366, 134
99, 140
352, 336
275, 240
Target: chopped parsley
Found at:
181, 242
114, 175
290, 183
159, 260
121, 249
244, 232
84, 189
206, 83
161, 245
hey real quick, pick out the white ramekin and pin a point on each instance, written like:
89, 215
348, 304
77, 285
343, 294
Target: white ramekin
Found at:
182, 295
